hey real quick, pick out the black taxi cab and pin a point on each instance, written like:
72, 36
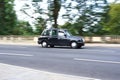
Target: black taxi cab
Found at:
59, 37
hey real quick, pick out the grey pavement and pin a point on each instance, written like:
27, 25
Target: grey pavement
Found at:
10, 72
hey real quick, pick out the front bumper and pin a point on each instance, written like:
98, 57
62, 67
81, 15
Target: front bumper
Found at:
81, 43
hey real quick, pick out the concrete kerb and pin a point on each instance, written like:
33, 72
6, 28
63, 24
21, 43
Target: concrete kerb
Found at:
34, 43
10, 72
18, 42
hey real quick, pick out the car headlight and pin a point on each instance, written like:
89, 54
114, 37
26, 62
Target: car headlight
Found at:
81, 40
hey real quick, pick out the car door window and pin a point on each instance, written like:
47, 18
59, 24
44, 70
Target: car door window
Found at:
46, 33
61, 34
54, 33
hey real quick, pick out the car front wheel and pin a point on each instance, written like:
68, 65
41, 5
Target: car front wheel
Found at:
79, 46
44, 44
74, 45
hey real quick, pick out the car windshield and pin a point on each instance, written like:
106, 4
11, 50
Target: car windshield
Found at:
68, 33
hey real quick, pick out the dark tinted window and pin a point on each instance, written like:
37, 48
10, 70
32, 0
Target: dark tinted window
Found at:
54, 33
46, 33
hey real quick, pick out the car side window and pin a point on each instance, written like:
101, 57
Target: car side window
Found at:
54, 33
61, 34
46, 33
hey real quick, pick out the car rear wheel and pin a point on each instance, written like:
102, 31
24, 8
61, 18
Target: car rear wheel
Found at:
44, 44
74, 45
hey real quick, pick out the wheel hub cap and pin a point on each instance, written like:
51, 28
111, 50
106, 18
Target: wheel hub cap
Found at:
44, 44
73, 44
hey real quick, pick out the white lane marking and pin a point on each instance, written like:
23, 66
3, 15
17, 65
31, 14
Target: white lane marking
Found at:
100, 61
107, 51
16, 54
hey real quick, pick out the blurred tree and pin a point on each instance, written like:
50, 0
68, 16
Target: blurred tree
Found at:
23, 28
51, 13
54, 8
86, 16
8, 17
68, 26
112, 25
40, 25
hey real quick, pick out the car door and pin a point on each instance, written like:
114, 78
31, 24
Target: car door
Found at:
62, 39
53, 39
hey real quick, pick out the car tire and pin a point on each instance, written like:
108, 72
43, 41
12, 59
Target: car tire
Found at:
44, 44
74, 45
51, 46
79, 46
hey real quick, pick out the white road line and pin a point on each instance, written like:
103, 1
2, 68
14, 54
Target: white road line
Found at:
100, 61
107, 51
16, 54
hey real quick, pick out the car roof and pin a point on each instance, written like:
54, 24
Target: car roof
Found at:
56, 29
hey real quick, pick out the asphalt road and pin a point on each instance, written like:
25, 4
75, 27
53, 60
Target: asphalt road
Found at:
90, 61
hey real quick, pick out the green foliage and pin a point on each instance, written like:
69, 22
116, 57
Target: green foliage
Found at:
9, 25
86, 20
112, 25
68, 26
73, 28
8, 17
40, 25
23, 28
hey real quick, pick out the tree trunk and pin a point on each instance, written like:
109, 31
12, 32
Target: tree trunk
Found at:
57, 6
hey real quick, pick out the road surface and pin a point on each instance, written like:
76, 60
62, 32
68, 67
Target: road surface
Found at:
90, 61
